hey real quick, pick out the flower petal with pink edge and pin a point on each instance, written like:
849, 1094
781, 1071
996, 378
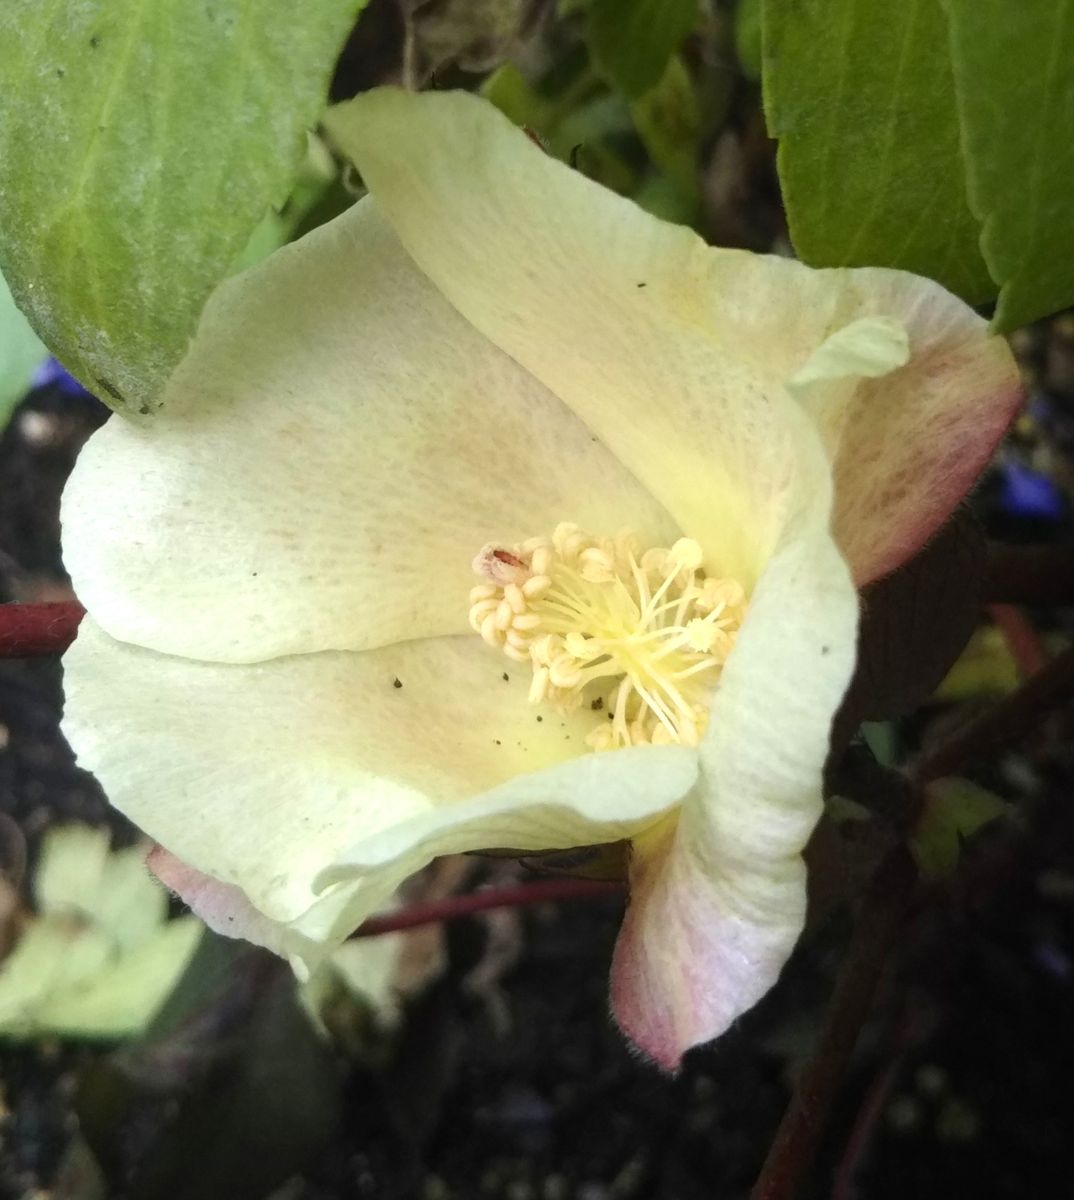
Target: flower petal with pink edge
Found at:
718, 899
225, 908
913, 442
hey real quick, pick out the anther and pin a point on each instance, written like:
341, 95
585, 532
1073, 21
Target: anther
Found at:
642, 637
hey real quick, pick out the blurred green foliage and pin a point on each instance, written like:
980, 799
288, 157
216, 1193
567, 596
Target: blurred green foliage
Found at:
632, 40
99, 957
955, 809
20, 352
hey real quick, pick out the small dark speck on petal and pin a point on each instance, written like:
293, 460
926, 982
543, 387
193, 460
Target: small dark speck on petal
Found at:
497, 741
825, 649
397, 682
641, 285
539, 720
597, 704
506, 678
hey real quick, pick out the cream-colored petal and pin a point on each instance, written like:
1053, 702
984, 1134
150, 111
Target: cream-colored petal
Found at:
262, 776
588, 800
635, 323
332, 452
678, 354
718, 900
826, 384
865, 349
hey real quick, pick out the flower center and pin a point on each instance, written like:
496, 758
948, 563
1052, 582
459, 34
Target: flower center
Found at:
641, 636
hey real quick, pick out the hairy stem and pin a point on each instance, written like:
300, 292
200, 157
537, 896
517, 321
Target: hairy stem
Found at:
32, 630
798, 1138
1003, 725
883, 909
451, 908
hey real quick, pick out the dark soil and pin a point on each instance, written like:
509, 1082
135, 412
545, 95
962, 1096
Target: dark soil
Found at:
522, 1088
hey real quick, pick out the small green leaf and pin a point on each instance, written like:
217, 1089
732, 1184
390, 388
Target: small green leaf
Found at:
955, 809
748, 36
20, 353
1012, 66
984, 670
140, 145
633, 40
100, 956
518, 99
668, 120
861, 96
120, 1000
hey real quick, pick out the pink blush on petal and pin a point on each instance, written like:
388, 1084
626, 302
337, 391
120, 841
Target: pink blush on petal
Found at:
224, 907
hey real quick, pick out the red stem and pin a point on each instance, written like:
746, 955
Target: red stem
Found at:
883, 909
872, 1110
451, 908
797, 1140
1003, 725
32, 630
1021, 638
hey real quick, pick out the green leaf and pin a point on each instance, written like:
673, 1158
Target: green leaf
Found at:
1012, 66
519, 100
748, 36
984, 670
955, 809
861, 96
668, 120
140, 145
267, 1112
20, 353
120, 1000
633, 40
101, 956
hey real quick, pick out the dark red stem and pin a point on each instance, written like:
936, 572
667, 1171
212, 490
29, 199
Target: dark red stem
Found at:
31, 630
1003, 725
797, 1140
869, 1115
451, 908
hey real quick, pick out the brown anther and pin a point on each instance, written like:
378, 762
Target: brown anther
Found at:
500, 566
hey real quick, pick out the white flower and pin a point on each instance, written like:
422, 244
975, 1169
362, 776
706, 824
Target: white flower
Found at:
278, 679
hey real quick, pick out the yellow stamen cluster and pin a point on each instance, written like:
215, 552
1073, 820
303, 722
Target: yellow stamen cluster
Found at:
641, 636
